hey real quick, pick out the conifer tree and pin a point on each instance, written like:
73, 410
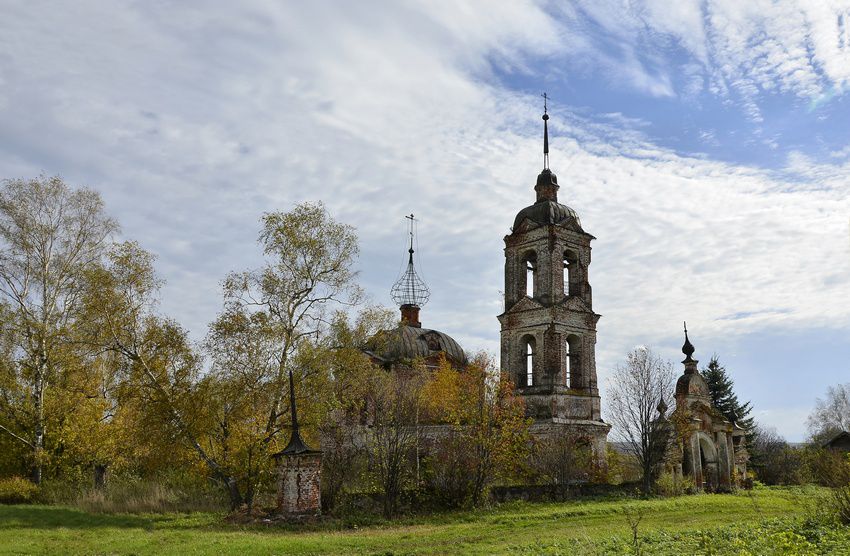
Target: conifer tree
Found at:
721, 387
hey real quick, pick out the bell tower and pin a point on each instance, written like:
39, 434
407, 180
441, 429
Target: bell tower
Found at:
548, 329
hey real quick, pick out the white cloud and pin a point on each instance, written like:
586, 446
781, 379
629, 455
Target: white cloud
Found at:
742, 50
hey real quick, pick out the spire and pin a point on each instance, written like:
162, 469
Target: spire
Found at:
547, 182
545, 132
410, 292
296, 443
688, 349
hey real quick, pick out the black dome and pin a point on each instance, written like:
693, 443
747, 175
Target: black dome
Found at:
549, 212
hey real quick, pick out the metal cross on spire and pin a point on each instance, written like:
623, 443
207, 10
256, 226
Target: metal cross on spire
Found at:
545, 131
410, 233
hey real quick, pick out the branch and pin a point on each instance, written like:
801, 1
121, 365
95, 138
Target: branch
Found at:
22, 439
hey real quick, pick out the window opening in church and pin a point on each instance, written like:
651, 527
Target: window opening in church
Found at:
530, 274
567, 367
529, 362
570, 267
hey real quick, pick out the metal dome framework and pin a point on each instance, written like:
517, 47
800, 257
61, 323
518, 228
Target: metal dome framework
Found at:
410, 289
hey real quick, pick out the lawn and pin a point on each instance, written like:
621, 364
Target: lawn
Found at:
775, 520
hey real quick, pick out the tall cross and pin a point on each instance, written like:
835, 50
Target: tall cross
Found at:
545, 131
412, 220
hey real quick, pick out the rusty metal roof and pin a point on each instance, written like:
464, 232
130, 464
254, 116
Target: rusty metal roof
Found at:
410, 342
548, 212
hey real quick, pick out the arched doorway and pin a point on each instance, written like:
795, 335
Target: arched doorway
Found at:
708, 462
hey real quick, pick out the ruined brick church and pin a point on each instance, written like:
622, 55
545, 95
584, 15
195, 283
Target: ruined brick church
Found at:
548, 336
548, 340
548, 348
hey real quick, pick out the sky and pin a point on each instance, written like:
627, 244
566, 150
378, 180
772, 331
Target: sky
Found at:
704, 143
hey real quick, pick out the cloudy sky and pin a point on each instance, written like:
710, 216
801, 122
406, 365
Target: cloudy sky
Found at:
704, 144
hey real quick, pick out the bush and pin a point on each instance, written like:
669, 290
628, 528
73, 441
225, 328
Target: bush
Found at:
832, 469
561, 460
451, 472
15, 490
668, 485
774, 461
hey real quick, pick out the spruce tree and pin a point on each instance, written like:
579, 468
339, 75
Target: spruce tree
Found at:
721, 390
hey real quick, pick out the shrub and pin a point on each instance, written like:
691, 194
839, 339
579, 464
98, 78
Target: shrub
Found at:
15, 490
833, 470
668, 484
451, 471
774, 461
561, 460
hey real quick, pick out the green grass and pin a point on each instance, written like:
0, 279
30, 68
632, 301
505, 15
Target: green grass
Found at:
767, 519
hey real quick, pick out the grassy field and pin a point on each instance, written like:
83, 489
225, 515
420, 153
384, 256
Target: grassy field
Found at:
775, 520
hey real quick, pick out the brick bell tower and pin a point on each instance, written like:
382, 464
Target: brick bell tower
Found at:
548, 329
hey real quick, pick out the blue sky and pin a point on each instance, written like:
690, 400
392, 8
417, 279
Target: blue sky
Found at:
704, 143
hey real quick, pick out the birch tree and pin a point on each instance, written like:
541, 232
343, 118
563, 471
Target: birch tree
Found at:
49, 234
309, 271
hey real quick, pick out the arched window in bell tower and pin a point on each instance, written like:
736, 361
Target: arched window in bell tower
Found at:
529, 274
530, 354
570, 273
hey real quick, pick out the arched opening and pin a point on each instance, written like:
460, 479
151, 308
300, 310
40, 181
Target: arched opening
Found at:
570, 273
530, 355
529, 275
572, 362
708, 462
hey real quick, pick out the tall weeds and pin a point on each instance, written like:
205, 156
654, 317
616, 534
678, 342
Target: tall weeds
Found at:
135, 497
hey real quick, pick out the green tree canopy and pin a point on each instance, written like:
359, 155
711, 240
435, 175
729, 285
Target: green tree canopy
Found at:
721, 387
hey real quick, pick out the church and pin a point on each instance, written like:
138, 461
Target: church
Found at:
548, 342
548, 328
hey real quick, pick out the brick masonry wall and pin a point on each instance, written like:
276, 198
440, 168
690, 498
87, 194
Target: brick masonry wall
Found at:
299, 484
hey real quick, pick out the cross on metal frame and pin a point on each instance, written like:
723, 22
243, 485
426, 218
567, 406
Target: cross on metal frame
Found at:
545, 131
410, 232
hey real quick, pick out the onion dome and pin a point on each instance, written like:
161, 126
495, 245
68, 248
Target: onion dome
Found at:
691, 383
688, 348
409, 341
410, 292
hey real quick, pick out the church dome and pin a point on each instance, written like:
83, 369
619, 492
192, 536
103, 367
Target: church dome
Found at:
548, 212
692, 384
547, 209
405, 343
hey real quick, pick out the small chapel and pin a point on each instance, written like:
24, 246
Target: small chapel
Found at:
704, 445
